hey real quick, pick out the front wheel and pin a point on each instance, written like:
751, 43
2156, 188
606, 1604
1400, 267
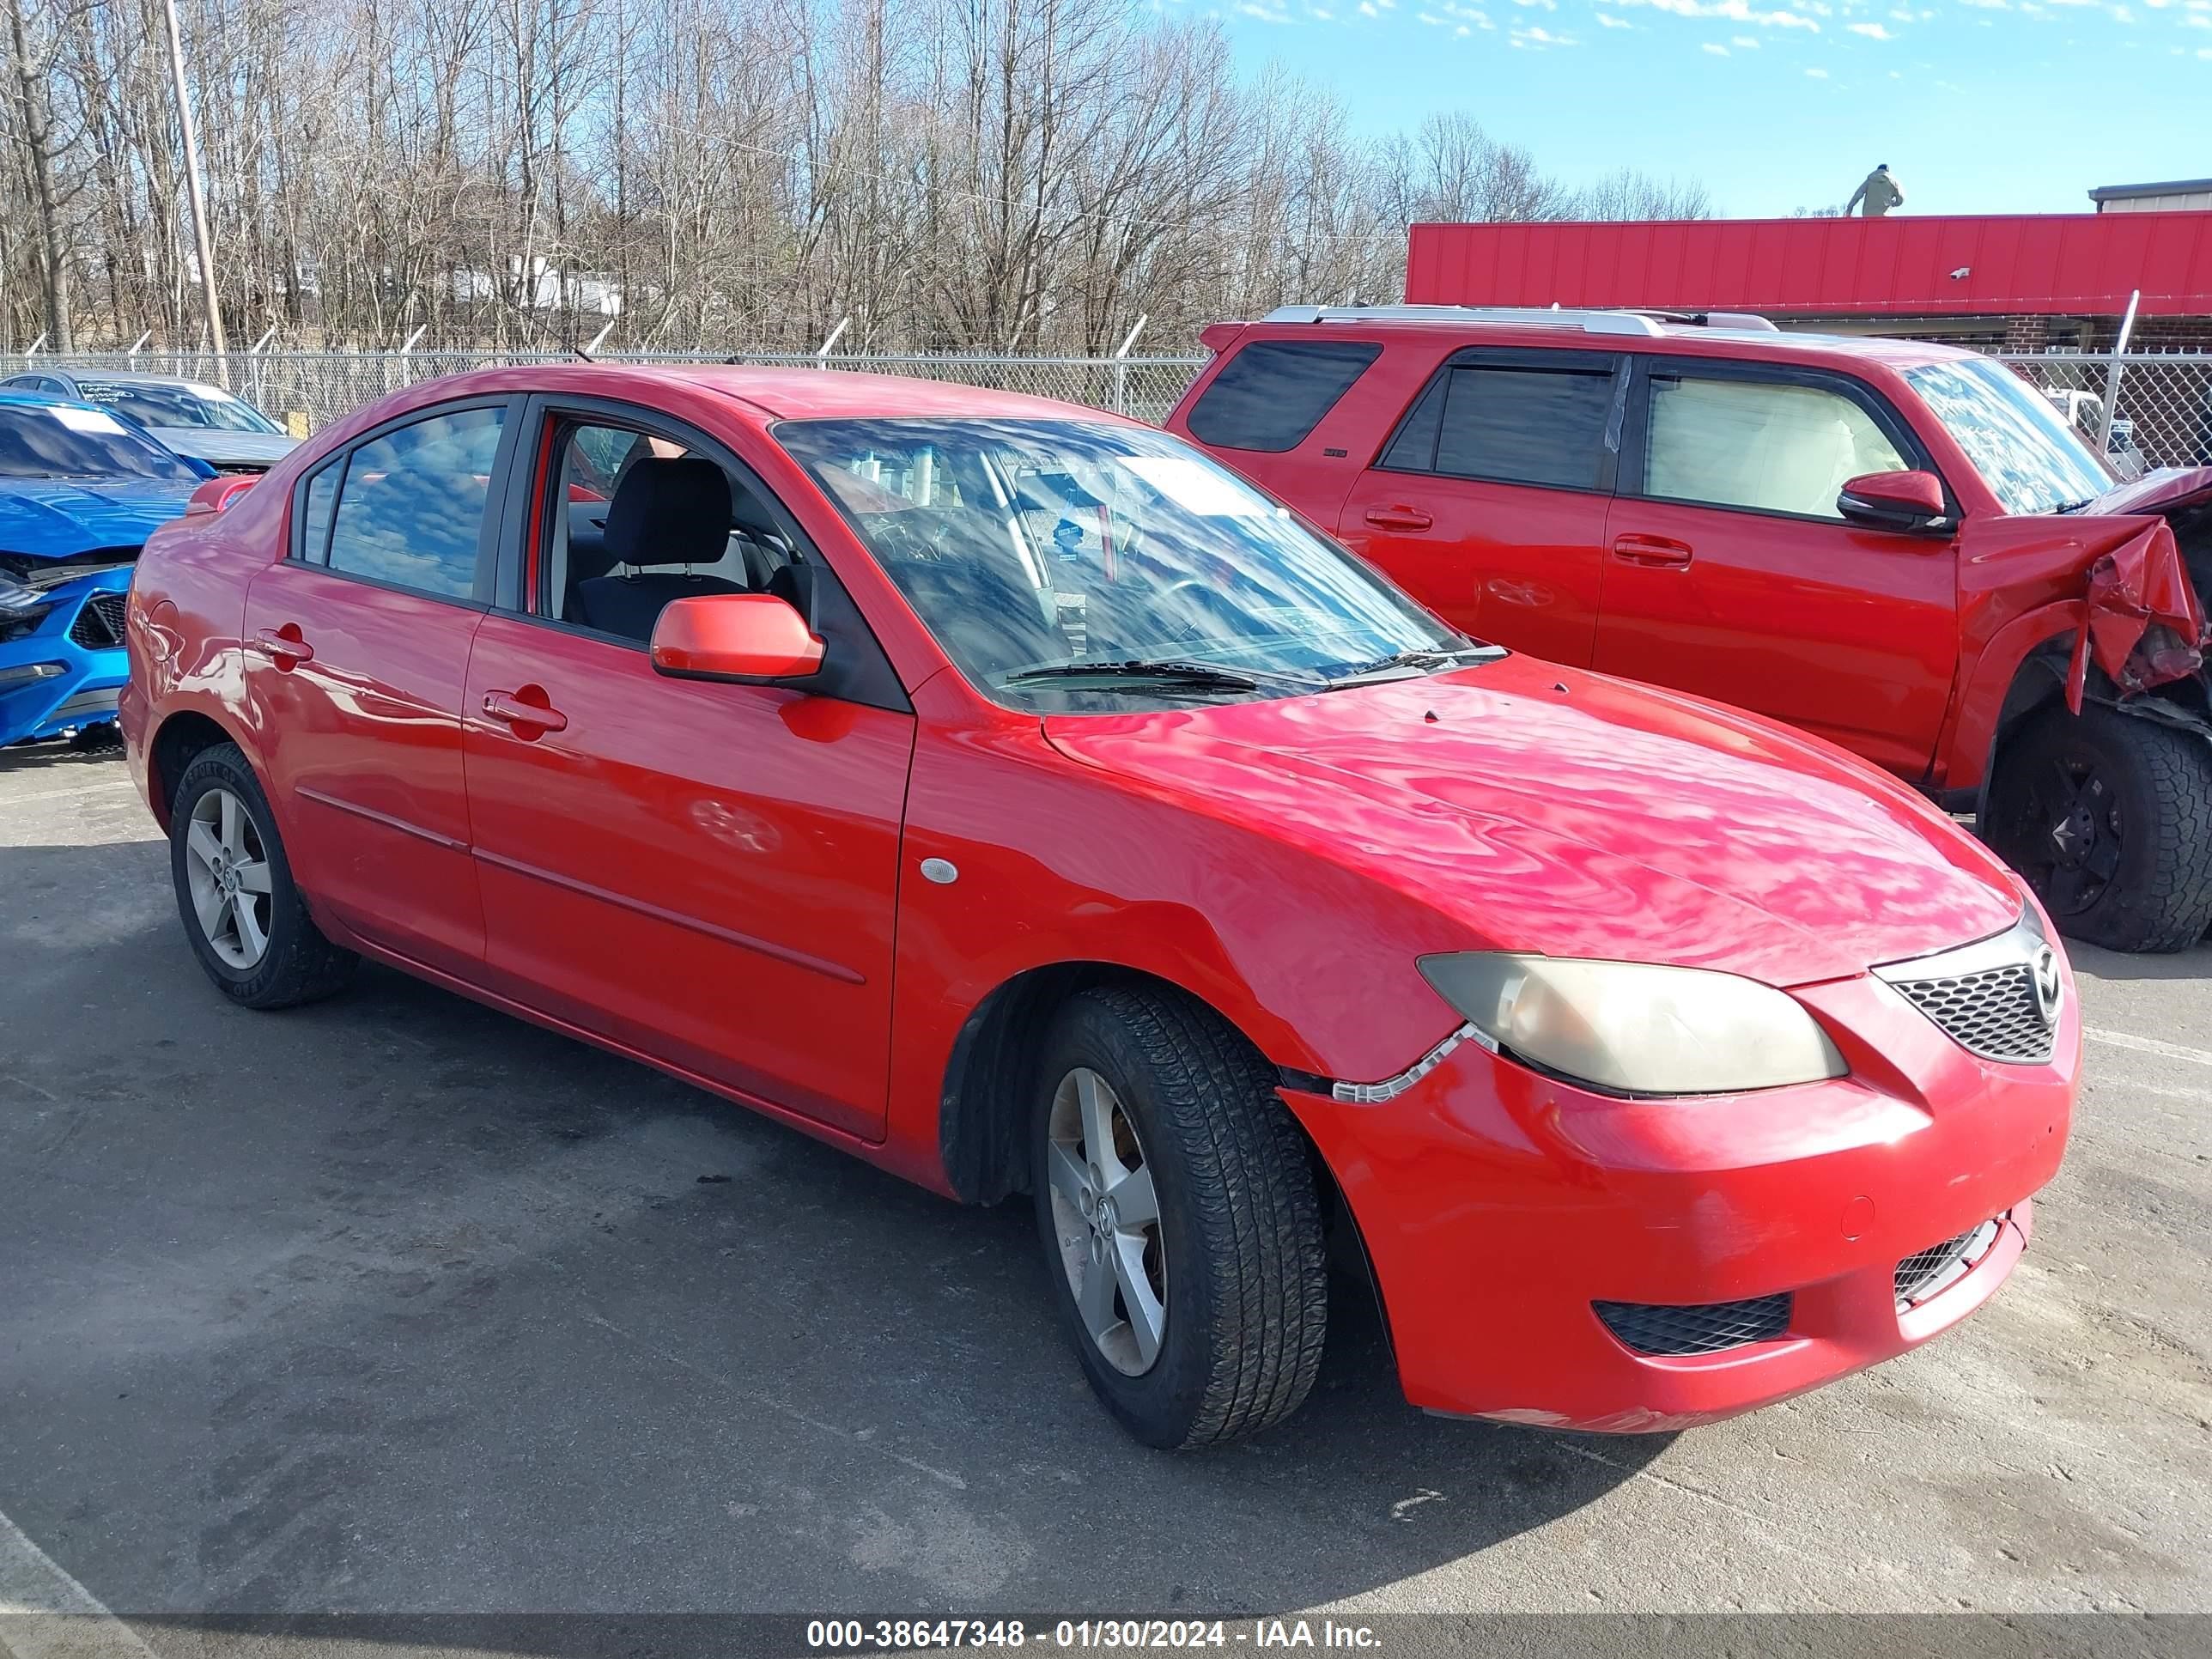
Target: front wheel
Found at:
244, 916
2109, 816
1181, 1226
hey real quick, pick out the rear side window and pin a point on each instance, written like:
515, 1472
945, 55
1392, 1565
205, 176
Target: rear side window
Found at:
1538, 425
1273, 392
1770, 447
411, 508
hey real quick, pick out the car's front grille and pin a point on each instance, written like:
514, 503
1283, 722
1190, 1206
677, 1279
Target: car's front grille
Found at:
1993, 1013
1708, 1327
98, 624
1926, 1273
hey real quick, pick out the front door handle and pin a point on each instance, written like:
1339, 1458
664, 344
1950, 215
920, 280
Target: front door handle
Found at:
1661, 552
1398, 518
282, 646
528, 715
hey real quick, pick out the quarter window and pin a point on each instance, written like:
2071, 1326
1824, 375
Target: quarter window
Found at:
1271, 395
1536, 426
411, 509
1770, 447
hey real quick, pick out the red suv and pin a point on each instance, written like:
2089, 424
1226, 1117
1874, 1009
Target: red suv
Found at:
1013, 797
1895, 546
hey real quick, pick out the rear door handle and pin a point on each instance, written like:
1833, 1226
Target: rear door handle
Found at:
1662, 551
282, 646
1398, 518
525, 714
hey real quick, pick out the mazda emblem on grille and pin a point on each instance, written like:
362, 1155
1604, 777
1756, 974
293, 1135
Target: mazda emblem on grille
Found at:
1997, 997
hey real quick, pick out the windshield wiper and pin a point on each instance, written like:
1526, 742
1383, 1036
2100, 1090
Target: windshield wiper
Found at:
2074, 507
1407, 664
1198, 675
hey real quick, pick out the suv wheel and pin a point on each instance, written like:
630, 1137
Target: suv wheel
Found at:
2110, 818
1181, 1227
244, 916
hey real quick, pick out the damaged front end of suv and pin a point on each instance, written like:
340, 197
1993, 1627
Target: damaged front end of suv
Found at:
2099, 786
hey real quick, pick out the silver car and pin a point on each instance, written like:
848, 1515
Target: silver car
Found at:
193, 418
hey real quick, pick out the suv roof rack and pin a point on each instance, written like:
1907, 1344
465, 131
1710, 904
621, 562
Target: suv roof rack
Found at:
1590, 321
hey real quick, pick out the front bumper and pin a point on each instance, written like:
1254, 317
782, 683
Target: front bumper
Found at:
64, 674
1498, 1206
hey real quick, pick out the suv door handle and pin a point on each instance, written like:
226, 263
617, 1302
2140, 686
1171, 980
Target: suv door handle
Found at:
1398, 518
282, 646
526, 715
1658, 550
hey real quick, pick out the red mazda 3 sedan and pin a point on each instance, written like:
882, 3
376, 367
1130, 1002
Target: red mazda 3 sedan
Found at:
1009, 794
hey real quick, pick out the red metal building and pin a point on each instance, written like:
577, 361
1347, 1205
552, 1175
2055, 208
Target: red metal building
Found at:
2021, 281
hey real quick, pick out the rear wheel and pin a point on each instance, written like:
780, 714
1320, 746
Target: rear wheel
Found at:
244, 916
1180, 1223
2110, 818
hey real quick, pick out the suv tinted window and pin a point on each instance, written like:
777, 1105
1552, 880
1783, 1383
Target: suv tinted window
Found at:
1772, 447
1541, 426
412, 506
1273, 392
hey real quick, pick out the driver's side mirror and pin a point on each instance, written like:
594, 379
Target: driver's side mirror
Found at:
751, 638
1910, 503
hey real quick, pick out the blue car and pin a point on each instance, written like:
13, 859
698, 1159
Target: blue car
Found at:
80, 489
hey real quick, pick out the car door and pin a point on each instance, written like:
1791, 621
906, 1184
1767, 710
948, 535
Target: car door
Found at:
1488, 501
356, 652
704, 872
1730, 573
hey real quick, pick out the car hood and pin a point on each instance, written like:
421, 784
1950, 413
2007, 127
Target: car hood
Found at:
63, 518
219, 448
2166, 490
1567, 813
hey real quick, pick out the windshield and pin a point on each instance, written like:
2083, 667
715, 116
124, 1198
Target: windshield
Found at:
1051, 557
177, 405
60, 441
2022, 448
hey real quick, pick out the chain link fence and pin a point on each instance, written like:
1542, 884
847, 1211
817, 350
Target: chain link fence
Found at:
2163, 418
306, 389
2162, 413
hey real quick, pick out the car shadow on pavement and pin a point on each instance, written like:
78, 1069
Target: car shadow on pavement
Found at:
2195, 963
398, 1303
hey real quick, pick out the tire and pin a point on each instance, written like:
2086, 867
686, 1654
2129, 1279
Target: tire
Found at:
2110, 818
1235, 1261
294, 963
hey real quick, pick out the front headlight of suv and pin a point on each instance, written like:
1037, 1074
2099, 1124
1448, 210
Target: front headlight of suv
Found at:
1633, 1028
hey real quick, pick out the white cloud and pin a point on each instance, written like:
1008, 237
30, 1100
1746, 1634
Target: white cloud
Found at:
1734, 11
1989, 5
1367, 8
1871, 31
1537, 40
2122, 14
1744, 42
1816, 74
1717, 51
1607, 20
1548, 5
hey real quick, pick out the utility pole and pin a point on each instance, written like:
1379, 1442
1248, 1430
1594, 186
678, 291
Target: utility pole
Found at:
205, 242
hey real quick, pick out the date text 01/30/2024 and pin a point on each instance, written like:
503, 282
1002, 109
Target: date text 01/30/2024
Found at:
896, 1635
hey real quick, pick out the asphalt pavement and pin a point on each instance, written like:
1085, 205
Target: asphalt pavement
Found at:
396, 1304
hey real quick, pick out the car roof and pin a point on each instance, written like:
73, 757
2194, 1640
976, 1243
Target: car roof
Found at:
800, 394
101, 377
1657, 332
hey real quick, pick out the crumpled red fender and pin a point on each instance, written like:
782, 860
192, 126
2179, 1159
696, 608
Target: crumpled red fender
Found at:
2142, 622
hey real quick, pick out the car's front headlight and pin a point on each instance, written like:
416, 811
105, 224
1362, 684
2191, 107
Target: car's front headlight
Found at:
1633, 1028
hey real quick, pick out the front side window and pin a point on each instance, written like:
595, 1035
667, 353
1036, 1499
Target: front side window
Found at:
63, 440
638, 519
1071, 566
2025, 452
1538, 425
1271, 395
411, 508
1769, 445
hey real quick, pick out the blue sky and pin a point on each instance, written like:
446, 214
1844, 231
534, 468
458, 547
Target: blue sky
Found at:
1978, 106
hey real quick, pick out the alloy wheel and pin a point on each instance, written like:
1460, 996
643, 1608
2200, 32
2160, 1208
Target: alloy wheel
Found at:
2074, 835
227, 866
1107, 1218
